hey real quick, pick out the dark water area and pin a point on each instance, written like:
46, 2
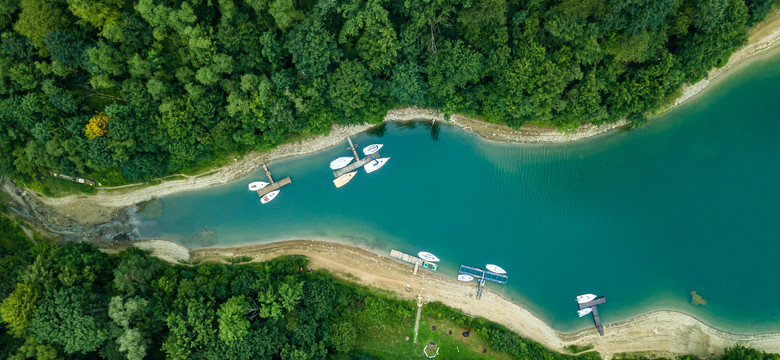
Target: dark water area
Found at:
689, 203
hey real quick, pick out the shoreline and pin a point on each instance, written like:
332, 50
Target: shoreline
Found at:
661, 332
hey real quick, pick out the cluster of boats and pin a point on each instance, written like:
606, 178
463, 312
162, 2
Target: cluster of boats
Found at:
343, 161
337, 164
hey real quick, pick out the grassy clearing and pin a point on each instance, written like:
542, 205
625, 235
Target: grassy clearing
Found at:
392, 344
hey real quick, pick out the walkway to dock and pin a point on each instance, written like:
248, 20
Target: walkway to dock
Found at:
417, 322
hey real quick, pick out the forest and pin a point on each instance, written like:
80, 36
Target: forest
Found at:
130, 90
77, 302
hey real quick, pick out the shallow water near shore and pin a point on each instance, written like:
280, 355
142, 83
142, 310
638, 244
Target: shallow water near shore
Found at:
689, 203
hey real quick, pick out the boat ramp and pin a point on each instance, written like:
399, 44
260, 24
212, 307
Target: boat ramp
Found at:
481, 276
413, 260
273, 185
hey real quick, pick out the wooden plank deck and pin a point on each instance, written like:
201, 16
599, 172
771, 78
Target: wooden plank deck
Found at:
274, 186
406, 257
355, 165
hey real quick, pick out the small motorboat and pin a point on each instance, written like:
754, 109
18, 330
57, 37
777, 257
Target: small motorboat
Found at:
344, 179
268, 197
427, 256
581, 299
584, 311
375, 165
340, 162
257, 185
373, 148
465, 277
495, 268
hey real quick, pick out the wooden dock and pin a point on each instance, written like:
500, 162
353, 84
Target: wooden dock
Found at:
355, 165
358, 161
406, 257
274, 185
595, 311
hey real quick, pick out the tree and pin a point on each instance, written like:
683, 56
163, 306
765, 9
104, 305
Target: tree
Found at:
38, 18
350, 88
97, 126
343, 336
284, 13
132, 275
233, 324
312, 47
71, 317
96, 12
18, 308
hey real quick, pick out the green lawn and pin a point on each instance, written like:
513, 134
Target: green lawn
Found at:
393, 344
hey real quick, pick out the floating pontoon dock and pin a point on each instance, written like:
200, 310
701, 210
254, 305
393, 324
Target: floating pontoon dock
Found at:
358, 161
481, 276
272, 185
592, 304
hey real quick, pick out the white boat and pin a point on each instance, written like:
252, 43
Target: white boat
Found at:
370, 149
257, 185
344, 179
495, 268
581, 299
584, 311
268, 197
375, 165
341, 162
427, 256
464, 277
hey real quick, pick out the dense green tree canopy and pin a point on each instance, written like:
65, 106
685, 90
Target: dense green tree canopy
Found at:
185, 82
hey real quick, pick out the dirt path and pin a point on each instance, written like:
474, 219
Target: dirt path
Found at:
662, 333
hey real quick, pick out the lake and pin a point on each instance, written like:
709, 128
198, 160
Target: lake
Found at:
688, 203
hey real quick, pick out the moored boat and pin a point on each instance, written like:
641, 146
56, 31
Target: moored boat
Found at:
375, 165
495, 268
465, 277
370, 149
257, 185
581, 299
584, 312
427, 256
268, 197
340, 162
344, 179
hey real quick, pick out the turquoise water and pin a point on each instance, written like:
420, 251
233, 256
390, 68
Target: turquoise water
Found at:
690, 202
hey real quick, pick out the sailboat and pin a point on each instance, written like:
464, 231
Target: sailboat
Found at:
344, 179
584, 298
257, 185
375, 165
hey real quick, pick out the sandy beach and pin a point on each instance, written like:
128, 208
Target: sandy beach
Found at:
658, 333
